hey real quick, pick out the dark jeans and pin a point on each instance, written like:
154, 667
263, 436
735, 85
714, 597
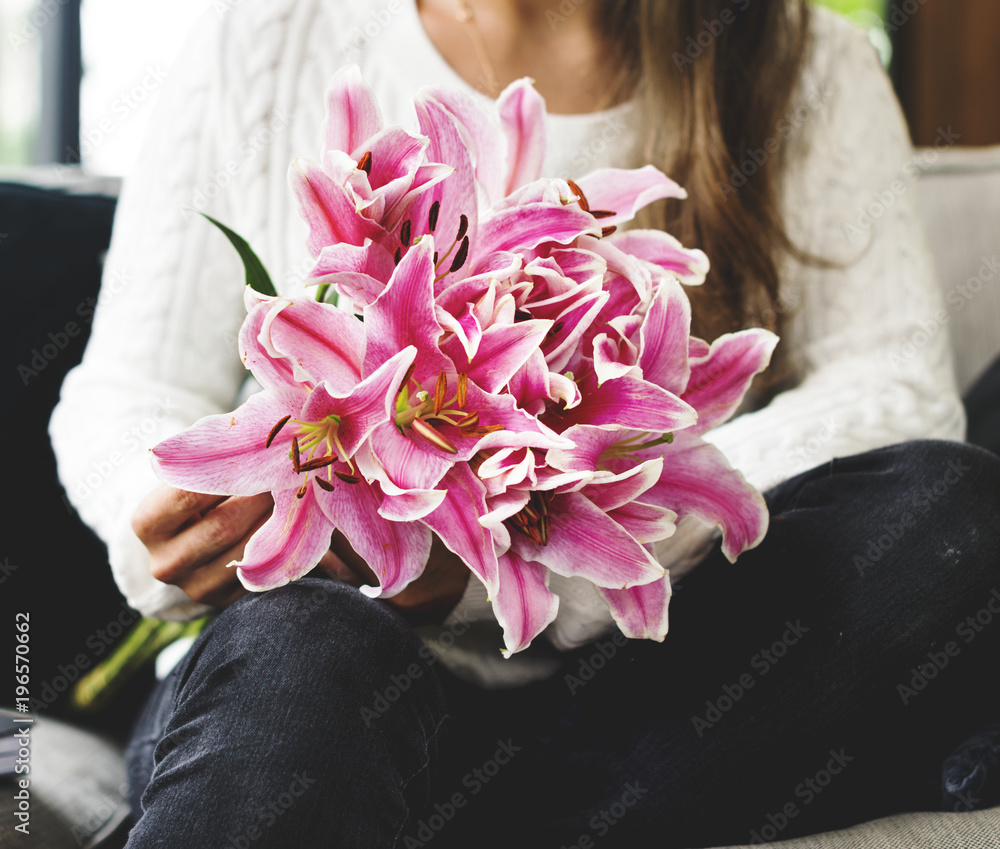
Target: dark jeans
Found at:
819, 681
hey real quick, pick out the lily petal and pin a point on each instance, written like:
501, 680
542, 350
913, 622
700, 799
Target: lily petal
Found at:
663, 355
625, 192
719, 381
663, 250
698, 481
395, 551
628, 402
352, 112
288, 545
524, 606
228, 454
641, 612
584, 541
322, 342
456, 522
522, 115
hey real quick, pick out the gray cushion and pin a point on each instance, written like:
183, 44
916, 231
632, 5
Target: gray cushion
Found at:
78, 790
958, 195
969, 830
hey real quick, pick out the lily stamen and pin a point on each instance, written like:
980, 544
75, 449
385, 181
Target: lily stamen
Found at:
365, 163
276, 430
582, 198
439, 392
432, 436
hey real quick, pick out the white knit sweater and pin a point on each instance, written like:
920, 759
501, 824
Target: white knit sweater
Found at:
247, 96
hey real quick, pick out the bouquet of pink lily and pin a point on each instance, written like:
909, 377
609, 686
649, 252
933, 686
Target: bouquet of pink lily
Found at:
522, 382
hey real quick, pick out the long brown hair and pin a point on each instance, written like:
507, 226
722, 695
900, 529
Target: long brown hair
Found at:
714, 79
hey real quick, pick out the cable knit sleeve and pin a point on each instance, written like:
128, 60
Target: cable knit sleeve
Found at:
163, 348
870, 335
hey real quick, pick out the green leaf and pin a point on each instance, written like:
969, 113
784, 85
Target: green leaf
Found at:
257, 276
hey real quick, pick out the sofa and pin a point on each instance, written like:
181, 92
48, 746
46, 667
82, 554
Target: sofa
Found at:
78, 786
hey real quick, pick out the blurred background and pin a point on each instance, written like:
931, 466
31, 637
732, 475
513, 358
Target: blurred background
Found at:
78, 77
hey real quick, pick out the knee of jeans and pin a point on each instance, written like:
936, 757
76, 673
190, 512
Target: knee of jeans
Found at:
314, 630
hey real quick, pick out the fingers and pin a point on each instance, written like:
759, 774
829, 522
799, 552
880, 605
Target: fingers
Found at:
214, 536
167, 509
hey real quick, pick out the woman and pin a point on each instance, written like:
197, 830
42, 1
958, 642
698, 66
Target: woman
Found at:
774, 707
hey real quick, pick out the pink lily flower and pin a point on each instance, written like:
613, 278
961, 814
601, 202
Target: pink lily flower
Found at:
368, 175
577, 524
297, 440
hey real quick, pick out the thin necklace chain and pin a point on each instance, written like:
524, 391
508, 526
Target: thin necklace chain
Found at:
464, 15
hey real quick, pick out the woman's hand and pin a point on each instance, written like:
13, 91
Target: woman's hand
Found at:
192, 538
429, 599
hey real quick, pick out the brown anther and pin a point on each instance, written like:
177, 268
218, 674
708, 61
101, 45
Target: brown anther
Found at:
602, 213
432, 218
302, 490
398, 256
365, 163
480, 431
406, 377
439, 393
607, 231
346, 478
583, 198
463, 228
318, 463
295, 455
275, 431
435, 260
324, 484
463, 390
432, 436
461, 256
556, 328
470, 420
405, 233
